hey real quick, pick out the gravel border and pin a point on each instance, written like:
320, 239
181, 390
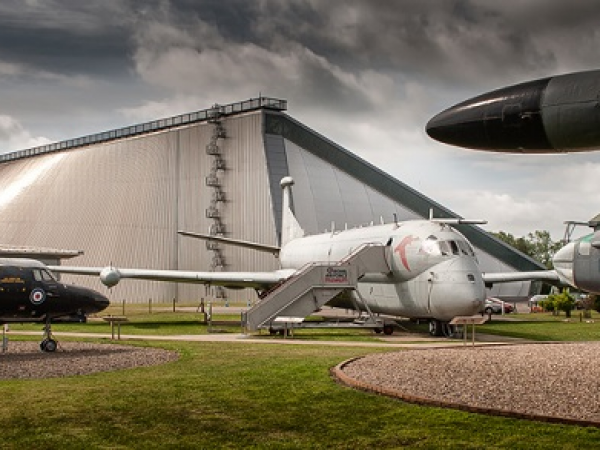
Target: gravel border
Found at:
548, 382
25, 360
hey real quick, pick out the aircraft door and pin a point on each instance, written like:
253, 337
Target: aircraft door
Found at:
389, 252
13, 288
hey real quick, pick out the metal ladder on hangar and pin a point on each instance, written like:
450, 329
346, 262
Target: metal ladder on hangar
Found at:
315, 284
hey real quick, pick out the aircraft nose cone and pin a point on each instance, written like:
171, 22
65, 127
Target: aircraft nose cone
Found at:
88, 300
457, 289
505, 120
462, 126
101, 302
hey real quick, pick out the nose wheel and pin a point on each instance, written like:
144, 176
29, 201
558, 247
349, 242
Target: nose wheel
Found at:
48, 343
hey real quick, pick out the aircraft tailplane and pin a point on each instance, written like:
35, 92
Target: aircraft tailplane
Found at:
290, 228
238, 242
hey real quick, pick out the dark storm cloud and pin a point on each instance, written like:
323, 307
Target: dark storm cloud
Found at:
457, 41
65, 36
467, 44
436, 39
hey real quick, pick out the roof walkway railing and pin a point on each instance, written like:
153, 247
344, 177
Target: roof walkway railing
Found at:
211, 113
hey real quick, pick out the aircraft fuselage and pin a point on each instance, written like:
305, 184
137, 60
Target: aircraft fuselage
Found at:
29, 291
433, 269
578, 263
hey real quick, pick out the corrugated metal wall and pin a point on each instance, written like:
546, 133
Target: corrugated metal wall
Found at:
123, 202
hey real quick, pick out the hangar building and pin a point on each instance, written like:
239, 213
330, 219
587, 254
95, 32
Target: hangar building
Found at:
121, 196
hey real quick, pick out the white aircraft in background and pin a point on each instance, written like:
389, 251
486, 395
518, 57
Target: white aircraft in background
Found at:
429, 271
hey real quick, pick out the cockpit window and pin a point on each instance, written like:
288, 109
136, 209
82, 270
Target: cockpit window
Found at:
42, 275
454, 247
431, 246
584, 248
465, 248
445, 248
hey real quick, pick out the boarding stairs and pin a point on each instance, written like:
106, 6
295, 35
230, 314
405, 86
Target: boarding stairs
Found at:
315, 284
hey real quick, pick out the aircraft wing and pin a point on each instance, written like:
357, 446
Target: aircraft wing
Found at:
110, 276
506, 277
11, 251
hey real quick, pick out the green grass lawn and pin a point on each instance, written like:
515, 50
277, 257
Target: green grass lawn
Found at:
236, 395
248, 396
545, 327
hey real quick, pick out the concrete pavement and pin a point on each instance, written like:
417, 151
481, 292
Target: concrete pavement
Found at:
397, 341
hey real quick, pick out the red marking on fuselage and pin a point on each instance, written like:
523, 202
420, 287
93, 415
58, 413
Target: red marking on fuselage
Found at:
401, 249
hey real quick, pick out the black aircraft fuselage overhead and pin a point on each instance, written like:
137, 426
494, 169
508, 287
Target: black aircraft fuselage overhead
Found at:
29, 292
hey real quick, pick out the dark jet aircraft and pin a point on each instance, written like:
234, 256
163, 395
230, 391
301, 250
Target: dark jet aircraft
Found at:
551, 115
29, 292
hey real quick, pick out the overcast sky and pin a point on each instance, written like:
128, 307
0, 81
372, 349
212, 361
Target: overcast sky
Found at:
368, 74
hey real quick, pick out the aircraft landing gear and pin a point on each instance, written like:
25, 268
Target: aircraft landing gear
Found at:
439, 328
388, 329
48, 344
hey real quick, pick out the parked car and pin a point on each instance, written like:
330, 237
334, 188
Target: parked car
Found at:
494, 306
534, 303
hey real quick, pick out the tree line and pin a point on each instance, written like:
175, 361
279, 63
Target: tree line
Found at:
538, 245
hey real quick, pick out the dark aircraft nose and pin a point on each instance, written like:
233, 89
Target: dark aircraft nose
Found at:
100, 303
88, 300
508, 119
544, 116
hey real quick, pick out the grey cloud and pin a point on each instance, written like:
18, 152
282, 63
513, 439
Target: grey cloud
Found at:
66, 36
458, 42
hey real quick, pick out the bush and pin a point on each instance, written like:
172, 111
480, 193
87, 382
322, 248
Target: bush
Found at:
548, 304
563, 302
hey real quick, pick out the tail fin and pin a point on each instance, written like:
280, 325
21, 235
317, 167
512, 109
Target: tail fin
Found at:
290, 228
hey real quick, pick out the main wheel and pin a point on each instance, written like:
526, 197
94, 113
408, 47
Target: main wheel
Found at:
48, 345
449, 330
388, 329
436, 328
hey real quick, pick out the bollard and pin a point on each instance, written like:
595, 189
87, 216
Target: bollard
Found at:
4, 338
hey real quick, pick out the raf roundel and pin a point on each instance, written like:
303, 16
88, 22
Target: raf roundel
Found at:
37, 296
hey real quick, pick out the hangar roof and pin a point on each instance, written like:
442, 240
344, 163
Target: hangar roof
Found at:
212, 113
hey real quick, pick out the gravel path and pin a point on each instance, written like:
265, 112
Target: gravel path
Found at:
557, 381
25, 360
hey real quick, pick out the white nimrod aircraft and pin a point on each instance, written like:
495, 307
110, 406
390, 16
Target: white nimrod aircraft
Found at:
423, 269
